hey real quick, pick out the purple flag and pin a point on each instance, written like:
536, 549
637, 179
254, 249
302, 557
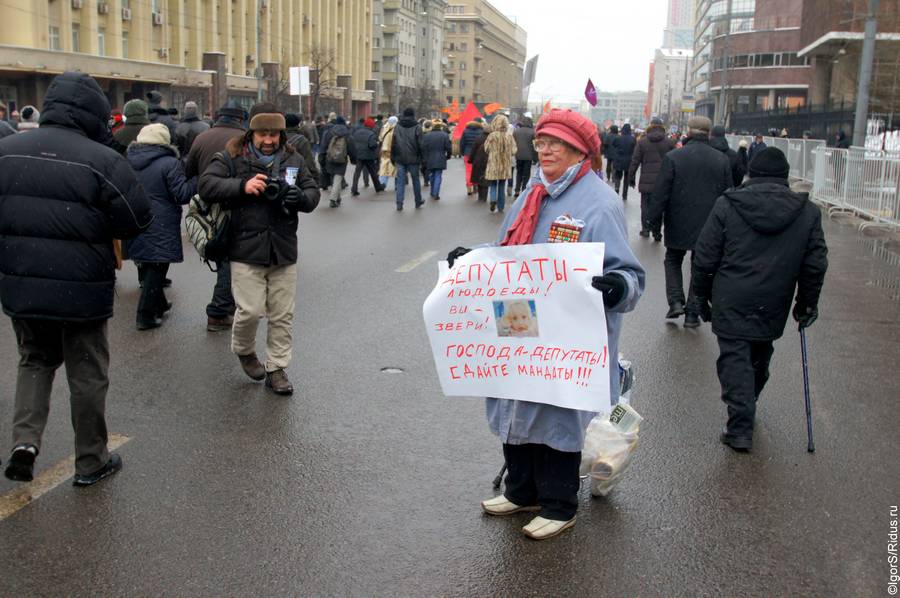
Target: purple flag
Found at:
590, 93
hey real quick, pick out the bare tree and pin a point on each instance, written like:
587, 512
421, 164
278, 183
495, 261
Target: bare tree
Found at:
278, 90
426, 98
322, 73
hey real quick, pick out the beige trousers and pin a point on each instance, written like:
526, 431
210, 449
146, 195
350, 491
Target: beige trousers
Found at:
264, 291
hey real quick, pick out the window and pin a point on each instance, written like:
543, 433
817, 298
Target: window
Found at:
424, 32
464, 27
54, 38
449, 99
462, 99
464, 47
462, 66
101, 41
376, 67
124, 44
76, 37
126, 3
765, 60
462, 83
451, 27
154, 6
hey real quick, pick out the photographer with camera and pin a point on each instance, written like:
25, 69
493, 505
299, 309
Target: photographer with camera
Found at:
265, 183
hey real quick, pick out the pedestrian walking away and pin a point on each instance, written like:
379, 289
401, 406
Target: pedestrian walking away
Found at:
300, 142
717, 141
501, 150
479, 160
159, 170
648, 156
542, 443
622, 150
689, 181
436, 150
335, 152
758, 145
231, 122
188, 129
159, 114
608, 151
366, 144
386, 168
761, 245
473, 131
265, 183
64, 197
525, 153
136, 118
406, 155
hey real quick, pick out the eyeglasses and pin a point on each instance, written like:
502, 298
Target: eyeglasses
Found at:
552, 144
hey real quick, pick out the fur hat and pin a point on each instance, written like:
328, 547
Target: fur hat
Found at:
743, 143
571, 127
190, 109
265, 115
700, 124
155, 134
770, 163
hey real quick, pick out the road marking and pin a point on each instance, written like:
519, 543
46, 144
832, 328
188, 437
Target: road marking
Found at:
411, 264
47, 480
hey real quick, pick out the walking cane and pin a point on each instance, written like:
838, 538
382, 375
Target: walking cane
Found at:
810, 447
499, 477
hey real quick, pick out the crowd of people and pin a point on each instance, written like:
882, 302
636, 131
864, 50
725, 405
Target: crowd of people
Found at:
81, 180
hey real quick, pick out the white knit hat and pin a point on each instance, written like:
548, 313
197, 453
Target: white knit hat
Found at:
155, 134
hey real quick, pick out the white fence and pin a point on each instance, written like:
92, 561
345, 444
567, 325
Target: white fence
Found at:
855, 180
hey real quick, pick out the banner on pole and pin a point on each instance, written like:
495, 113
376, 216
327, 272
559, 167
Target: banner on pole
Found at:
590, 93
299, 80
530, 71
522, 322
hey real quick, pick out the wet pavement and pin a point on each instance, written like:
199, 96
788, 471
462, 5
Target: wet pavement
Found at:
368, 483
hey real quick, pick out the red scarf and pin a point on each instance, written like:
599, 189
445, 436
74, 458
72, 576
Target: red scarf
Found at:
521, 231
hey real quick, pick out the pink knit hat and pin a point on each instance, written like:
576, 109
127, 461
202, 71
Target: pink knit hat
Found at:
571, 127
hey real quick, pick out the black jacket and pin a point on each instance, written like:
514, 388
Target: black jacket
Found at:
208, 144
407, 144
689, 181
161, 174
129, 132
436, 149
332, 132
648, 156
622, 150
365, 141
186, 131
261, 232
760, 243
64, 197
607, 149
524, 136
755, 148
479, 159
737, 168
158, 114
470, 135
300, 142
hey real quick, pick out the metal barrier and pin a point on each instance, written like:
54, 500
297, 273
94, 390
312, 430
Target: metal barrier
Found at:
864, 182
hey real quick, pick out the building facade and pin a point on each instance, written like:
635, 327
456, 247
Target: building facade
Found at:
484, 55
670, 80
620, 107
202, 50
679, 31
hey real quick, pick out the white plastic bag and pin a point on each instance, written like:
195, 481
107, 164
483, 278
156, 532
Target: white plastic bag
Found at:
609, 445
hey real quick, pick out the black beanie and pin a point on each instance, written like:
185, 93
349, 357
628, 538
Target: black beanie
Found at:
770, 163
409, 112
291, 120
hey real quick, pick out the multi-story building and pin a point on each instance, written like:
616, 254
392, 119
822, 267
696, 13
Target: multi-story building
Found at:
484, 54
679, 31
408, 38
203, 50
670, 79
620, 107
750, 56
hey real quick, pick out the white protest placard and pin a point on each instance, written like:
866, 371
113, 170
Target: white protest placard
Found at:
522, 322
299, 80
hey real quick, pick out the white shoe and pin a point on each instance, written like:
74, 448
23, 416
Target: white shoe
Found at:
499, 505
542, 529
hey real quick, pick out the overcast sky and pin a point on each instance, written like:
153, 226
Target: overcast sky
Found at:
610, 41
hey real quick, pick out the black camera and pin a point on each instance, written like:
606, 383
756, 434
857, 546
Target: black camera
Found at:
275, 189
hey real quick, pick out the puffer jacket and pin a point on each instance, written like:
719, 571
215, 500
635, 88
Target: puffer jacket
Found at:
407, 145
648, 156
622, 150
524, 137
262, 232
500, 149
470, 135
761, 242
161, 174
366, 143
64, 197
436, 149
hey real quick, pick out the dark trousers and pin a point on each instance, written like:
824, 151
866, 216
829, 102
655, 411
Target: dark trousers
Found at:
153, 297
222, 304
646, 198
368, 169
609, 165
483, 192
523, 174
538, 474
675, 280
743, 368
44, 345
618, 176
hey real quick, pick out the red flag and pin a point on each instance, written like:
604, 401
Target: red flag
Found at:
547, 107
590, 93
471, 112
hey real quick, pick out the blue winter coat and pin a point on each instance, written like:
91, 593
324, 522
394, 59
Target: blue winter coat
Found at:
161, 174
436, 149
595, 202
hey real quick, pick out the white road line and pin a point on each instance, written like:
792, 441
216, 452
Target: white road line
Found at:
46, 481
412, 264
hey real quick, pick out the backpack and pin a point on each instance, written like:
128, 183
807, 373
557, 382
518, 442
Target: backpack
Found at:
207, 225
337, 150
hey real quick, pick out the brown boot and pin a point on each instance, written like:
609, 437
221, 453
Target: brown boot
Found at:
252, 367
219, 324
278, 383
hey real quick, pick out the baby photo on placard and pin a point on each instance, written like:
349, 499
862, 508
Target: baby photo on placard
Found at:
516, 318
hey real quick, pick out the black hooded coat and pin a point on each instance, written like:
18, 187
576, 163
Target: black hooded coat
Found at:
761, 242
64, 197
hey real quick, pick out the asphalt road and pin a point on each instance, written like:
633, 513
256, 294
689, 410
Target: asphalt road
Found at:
368, 483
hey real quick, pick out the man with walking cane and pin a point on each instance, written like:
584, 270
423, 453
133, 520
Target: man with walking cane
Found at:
761, 241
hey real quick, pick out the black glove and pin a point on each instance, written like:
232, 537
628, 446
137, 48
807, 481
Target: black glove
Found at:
457, 253
805, 316
613, 287
291, 198
705, 310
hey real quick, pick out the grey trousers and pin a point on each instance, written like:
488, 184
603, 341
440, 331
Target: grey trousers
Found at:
44, 345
